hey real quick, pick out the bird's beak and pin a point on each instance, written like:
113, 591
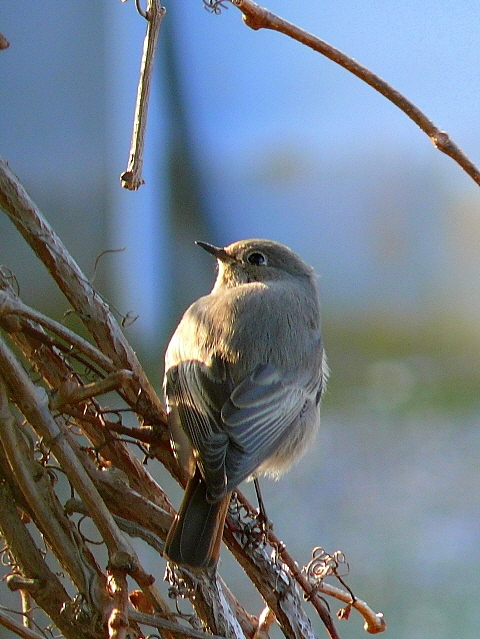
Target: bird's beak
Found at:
216, 251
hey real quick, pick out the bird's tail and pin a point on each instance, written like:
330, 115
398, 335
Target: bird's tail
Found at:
195, 536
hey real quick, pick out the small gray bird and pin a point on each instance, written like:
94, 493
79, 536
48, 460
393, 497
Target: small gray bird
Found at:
244, 374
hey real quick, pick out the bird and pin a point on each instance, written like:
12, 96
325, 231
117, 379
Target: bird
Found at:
245, 371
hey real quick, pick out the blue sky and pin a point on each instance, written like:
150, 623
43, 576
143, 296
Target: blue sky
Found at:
290, 146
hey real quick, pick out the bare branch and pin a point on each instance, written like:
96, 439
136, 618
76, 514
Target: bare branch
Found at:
256, 17
45, 587
33, 403
10, 304
174, 628
87, 303
374, 621
35, 491
72, 393
18, 628
132, 178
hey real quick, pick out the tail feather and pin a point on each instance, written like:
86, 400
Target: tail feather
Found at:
195, 536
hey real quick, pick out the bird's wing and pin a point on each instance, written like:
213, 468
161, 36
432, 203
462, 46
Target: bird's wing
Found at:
260, 413
234, 429
196, 393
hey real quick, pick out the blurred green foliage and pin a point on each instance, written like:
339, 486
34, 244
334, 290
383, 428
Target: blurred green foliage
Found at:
401, 363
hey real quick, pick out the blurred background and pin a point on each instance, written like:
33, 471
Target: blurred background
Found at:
253, 135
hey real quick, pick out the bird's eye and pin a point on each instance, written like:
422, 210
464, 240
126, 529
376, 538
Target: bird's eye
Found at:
257, 259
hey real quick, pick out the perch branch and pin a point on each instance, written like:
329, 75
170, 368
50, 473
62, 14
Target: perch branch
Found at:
374, 622
257, 17
273, 579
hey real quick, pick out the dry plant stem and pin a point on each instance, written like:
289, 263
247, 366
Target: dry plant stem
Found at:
91, 308
256, 17
132, 178
275, 584
374, 621
33, 403
73, 394
45, 586
31, 488
174, 628
18, 628
118, 618
12, 305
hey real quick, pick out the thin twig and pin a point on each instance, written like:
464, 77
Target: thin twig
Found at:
72, 393
87, 303
132, 178
10, 304
275, 583
374, 621
257, 17
33, 402
18, 628
171, 626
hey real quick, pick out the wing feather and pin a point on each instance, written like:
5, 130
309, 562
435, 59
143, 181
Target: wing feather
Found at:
198, 396
260, 414
234, 429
